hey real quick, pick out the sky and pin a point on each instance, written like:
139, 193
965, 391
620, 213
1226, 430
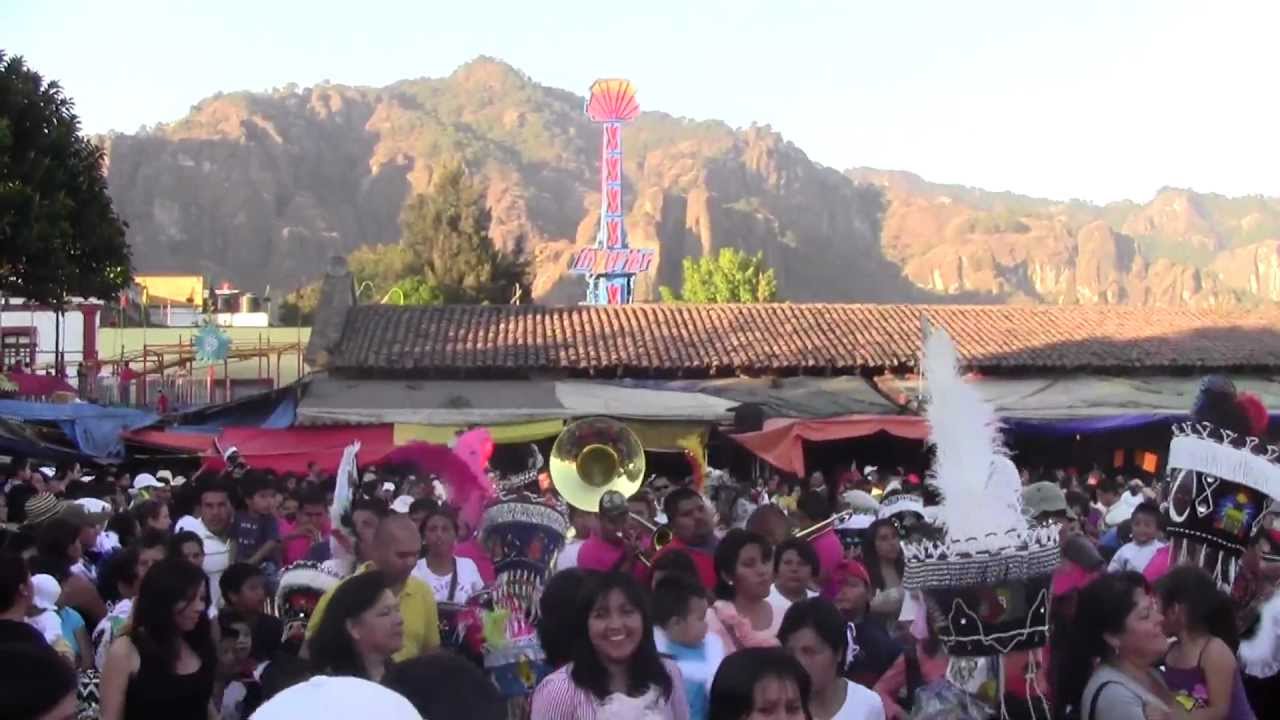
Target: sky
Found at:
1081, 99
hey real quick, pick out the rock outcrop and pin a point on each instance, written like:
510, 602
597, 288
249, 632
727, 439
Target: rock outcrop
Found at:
261, 189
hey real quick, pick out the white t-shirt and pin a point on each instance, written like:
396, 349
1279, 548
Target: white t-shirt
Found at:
780, 602
568, 557
217, 556
469, 580
860, 704
1132, 556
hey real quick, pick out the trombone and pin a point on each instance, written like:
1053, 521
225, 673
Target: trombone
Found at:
820, 527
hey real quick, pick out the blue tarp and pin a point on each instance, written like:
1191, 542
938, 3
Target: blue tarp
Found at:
94, 428
274, 410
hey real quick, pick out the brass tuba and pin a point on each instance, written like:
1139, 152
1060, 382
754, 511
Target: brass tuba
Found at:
594, 455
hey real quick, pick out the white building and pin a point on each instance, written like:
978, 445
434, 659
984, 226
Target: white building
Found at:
35, 335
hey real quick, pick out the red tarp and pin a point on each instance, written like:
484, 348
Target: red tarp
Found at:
289, 450
180, 442
781, 442
37, 386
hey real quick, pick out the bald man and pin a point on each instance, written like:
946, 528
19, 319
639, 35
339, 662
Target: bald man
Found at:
395, 551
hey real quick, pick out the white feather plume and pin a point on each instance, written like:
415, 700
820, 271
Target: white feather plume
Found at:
971, 468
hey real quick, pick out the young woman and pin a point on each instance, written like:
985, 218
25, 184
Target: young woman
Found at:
164, 664
154, 515
360, 630
815, 634
1118, 639
452, 579
882, 556
616, 671
58, 549
760, 684
187, 545
1201, 668
742, 615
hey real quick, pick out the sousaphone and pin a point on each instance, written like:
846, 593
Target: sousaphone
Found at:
592, 456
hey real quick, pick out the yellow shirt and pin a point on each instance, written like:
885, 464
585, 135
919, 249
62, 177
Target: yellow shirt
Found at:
417, 608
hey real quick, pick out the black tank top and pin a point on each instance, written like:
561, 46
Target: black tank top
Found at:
157, 692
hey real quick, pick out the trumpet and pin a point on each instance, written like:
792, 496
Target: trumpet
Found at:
659, 535
818, 528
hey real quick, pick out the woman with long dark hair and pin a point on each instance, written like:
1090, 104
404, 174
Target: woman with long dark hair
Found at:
58, 549
742, 615
616, 669
360, 630
1201, 668
760, 683
164, 664
816, 634
882, 556
1106, 671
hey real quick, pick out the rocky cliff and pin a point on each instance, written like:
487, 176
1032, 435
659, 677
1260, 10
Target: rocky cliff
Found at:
260, 189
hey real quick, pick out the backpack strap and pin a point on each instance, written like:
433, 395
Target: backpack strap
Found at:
1093, 703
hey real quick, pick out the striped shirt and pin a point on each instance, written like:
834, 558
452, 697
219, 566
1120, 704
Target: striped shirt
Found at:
558, 698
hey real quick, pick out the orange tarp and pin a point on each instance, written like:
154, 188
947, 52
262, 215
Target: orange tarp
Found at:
781, 443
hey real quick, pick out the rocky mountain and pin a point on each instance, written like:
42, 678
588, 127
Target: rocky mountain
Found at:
261, 188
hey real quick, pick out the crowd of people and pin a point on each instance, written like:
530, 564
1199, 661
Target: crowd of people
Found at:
146, 596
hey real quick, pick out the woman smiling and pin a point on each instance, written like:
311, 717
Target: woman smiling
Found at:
616, 671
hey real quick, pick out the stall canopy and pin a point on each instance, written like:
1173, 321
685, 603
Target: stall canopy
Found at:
797, 397
781, 442
290, 450
30, 385
17, 438
94, 429
330, 401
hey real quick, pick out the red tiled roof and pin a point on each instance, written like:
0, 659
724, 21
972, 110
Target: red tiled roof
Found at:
795, 339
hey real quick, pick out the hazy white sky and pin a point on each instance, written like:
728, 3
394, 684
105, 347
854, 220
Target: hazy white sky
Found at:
1090, 99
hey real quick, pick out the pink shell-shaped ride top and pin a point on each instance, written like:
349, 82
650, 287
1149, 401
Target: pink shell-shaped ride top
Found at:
612, 101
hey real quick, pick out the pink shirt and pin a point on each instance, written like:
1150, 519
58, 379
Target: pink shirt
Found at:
558, 698
297, 548
598, 554
830, 552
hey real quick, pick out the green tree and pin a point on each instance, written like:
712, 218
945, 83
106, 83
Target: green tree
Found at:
446, 231
731, 276
59, 234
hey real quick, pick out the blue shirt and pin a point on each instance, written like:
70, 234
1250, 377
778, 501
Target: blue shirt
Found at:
698, 665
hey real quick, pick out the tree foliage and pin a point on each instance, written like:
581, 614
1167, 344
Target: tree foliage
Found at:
446, 235
731, 276
59, 234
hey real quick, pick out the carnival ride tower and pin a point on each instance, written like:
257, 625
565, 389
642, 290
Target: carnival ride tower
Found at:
611, 264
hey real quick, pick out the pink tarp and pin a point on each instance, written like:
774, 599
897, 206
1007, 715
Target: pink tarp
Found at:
781, 442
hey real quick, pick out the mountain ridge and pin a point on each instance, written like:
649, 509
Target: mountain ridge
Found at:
260, 188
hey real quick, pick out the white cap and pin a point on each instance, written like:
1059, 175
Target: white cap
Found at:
368, 477
145, 480
47, 471
402, 504
324, 696
47, 591
165, 475
87, 478
869, 469
226, 454
94, 505
179, 481
388, 487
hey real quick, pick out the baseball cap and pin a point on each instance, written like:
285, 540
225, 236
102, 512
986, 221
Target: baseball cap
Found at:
145, 480
402, 504
47, 590
1045, 497
613, 503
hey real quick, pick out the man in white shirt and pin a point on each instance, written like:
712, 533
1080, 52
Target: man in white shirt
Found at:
214, 529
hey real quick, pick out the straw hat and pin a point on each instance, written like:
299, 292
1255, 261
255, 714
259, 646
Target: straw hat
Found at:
40, 508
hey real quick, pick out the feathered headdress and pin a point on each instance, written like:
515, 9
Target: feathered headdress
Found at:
980, 488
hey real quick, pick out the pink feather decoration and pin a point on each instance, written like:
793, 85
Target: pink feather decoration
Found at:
461, 470
1256, 412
